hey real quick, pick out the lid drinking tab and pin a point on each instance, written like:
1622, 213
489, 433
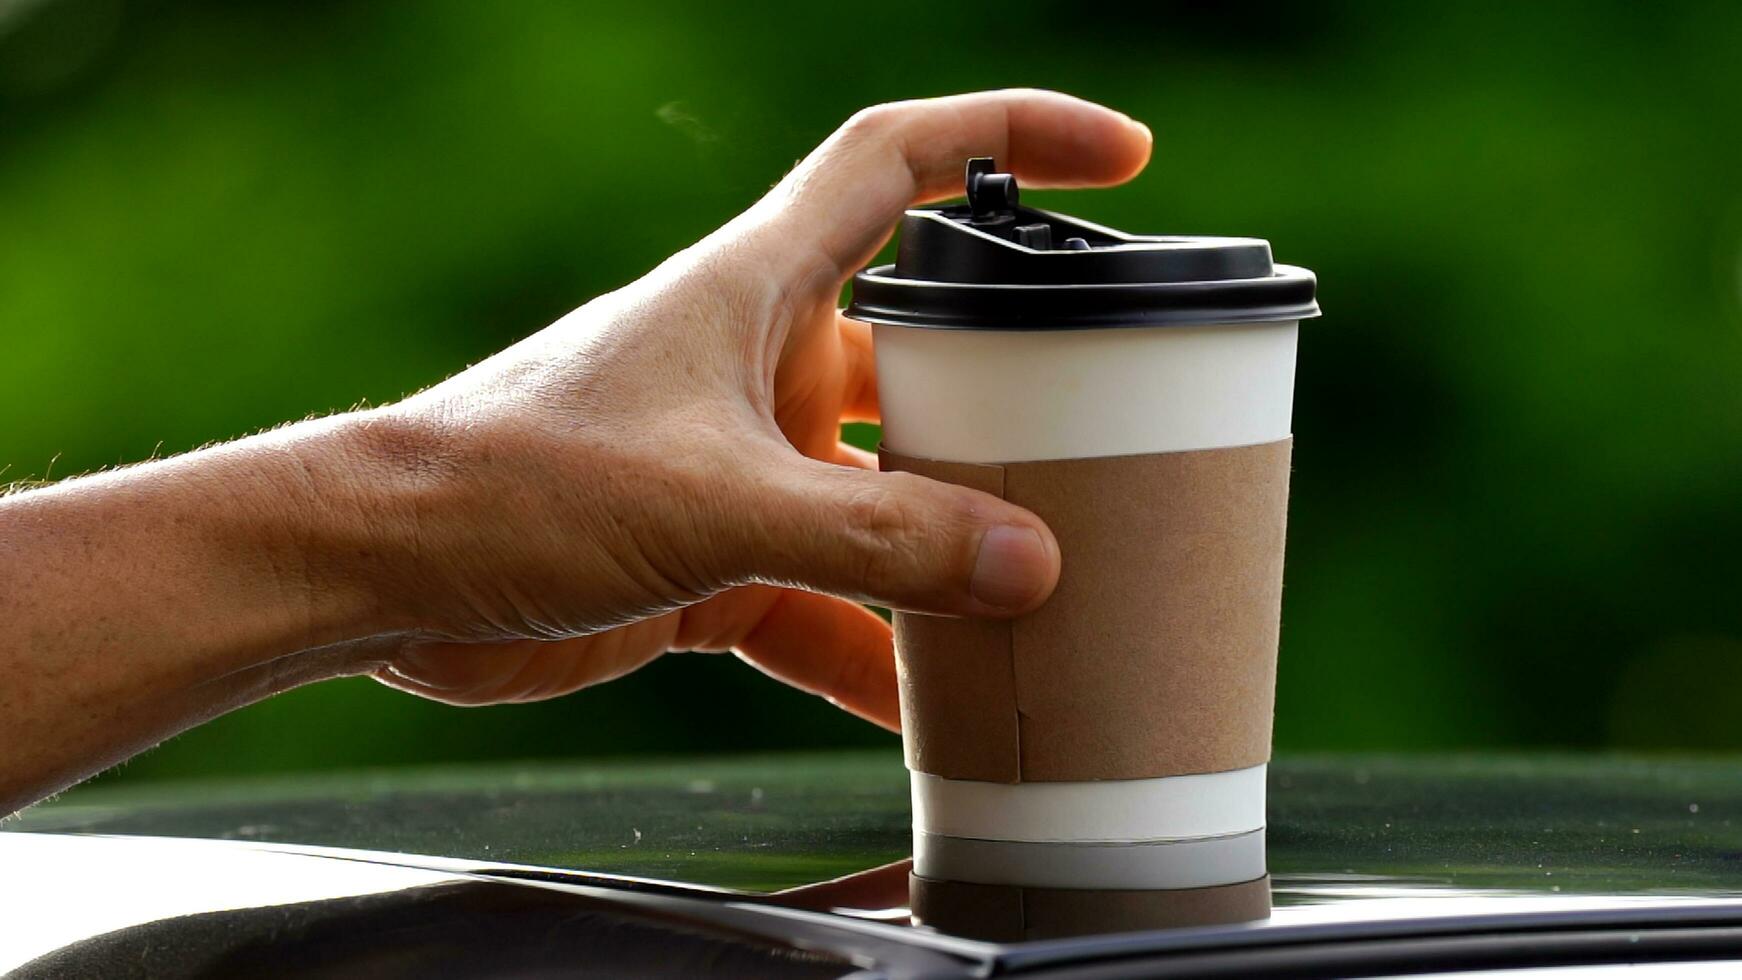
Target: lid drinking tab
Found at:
993, 264
990, 194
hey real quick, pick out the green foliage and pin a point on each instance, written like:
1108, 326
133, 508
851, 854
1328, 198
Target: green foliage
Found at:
1519, 424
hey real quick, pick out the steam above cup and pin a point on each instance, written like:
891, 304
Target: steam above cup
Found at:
1136, 393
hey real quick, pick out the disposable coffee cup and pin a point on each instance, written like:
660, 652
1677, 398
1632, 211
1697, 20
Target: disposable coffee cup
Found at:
1136, 393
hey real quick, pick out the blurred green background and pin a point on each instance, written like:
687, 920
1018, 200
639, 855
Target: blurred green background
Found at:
1516, 514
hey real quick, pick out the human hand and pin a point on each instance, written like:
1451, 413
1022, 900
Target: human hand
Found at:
661, 469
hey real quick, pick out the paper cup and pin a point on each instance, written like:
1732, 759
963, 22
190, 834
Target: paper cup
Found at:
990, 396
1136, 393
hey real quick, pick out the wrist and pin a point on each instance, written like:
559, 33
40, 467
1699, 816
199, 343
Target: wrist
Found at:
388, 485
355, 536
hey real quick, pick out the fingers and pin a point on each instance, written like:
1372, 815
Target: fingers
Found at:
830, 647
847, 454
859, 389
524, 670
841, 201
819, 644
898, 540
825, 377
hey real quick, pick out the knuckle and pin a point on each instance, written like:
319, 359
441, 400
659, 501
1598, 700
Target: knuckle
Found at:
880, 512
885, 524
877, 130
872, 122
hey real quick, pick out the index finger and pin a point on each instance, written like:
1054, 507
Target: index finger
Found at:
831, 647
839, 204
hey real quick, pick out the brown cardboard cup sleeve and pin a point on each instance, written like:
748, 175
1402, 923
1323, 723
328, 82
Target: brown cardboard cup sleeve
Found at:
1155, 656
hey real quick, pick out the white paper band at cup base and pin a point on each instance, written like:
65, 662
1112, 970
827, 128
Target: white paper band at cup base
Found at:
1168, 865
1216, 804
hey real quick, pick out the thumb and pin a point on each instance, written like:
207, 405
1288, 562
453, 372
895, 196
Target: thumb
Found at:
903, 541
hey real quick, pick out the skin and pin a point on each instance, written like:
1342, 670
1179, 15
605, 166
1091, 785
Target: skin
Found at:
658, 470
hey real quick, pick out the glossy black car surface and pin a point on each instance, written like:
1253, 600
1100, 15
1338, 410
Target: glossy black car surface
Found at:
796, 866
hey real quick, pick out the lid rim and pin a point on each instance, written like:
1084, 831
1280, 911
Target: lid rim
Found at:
882, 298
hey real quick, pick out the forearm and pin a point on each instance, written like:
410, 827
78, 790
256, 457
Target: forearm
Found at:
137, 603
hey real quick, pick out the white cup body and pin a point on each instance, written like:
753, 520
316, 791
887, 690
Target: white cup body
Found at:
1008, 396
1005, 396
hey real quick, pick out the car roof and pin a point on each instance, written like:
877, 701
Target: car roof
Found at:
1358, 846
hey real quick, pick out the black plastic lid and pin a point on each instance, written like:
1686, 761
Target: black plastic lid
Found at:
991, 264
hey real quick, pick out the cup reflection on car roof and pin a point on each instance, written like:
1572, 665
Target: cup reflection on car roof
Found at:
1011, 891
